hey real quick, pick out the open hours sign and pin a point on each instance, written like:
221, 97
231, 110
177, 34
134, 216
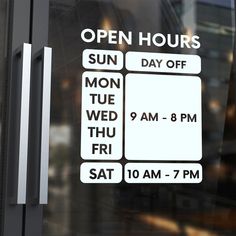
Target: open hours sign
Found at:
140, 117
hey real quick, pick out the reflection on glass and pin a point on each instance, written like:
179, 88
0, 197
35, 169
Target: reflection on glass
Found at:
207, 209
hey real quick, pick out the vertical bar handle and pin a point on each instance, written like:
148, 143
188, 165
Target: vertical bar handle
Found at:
25, 53
45, 124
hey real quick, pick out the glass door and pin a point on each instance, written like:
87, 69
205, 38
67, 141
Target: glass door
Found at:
142, 133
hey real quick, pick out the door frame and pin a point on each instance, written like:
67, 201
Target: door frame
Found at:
18, 33
28, 23
39, 39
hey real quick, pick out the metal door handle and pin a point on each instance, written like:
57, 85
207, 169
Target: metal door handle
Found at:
24, 53
45, 124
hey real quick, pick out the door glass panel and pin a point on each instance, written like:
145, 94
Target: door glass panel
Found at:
206, 208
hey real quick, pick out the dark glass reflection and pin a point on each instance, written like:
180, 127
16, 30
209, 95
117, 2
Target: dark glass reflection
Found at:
206, 209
